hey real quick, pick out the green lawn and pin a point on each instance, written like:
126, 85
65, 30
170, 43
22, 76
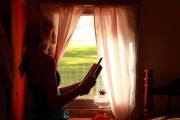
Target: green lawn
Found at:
76, 62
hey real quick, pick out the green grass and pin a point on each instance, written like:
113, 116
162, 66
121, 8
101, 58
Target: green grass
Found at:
81, 55
76, 62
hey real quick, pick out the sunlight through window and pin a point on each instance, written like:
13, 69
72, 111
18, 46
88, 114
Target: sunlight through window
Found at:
80, 54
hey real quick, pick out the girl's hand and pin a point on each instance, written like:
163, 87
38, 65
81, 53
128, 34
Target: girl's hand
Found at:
87, 84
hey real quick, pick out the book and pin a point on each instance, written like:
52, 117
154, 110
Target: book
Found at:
98, 68
94, 70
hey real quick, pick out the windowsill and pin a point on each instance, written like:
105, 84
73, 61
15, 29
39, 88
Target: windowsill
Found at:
83, 104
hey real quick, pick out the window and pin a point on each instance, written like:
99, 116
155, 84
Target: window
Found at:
79, 56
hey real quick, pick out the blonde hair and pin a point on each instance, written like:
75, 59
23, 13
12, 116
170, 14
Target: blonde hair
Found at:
36, 36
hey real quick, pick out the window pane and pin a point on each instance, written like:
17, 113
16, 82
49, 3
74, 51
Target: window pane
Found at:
80, 54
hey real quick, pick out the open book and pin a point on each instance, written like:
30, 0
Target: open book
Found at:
94, 70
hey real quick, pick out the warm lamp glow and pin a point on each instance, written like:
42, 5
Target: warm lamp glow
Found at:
101, 100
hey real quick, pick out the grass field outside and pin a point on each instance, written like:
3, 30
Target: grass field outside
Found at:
76, 62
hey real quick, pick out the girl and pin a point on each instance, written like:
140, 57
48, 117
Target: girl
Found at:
40, 69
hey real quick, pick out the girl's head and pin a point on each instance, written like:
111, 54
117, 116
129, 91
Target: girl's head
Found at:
39, 34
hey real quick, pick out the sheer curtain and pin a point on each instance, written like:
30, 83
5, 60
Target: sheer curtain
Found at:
68, 19
115, 35
65, 21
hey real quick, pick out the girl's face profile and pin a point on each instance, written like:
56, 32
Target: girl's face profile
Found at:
52, 37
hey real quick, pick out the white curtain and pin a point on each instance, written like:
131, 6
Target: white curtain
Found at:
115, 35
65, 18
68, 19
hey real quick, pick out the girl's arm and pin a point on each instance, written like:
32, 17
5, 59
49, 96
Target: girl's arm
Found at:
50, 89
68, 88
65, 89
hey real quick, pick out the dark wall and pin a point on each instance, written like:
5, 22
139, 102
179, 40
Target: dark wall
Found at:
159, 47
5, 17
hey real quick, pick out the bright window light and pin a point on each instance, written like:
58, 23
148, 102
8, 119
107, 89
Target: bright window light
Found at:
80, 54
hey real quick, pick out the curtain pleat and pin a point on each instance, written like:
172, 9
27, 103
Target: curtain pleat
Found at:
65, 19
68, 19
115, 35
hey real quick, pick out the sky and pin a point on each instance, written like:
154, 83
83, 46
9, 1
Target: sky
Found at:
85, 30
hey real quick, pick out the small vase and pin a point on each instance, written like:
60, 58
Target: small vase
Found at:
101, 100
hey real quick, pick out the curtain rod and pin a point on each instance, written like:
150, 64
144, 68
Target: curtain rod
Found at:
90, 2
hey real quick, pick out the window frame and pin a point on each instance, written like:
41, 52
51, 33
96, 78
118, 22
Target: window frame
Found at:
83, 103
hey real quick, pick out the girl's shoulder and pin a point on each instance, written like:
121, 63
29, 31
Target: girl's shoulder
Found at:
48, 59
43, 58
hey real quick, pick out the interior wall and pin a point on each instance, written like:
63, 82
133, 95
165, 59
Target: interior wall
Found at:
159, 46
